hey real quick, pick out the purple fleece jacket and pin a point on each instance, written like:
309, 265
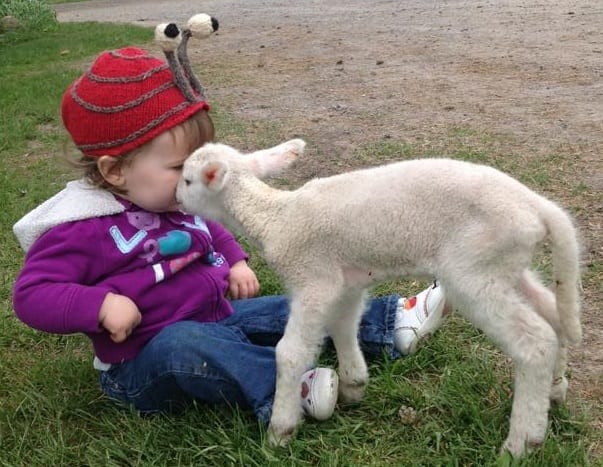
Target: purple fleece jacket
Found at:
173, 266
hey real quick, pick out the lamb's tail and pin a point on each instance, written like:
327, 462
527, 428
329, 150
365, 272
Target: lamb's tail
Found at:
566, 269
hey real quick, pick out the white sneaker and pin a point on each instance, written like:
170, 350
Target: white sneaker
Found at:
418, 317
319, 393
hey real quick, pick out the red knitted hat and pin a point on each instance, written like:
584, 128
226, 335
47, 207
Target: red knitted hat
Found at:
124, 100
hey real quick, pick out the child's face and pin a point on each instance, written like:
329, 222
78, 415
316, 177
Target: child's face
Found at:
151, 177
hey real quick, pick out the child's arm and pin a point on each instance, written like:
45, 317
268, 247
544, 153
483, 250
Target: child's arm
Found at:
225, 243
51, 292
119, 316
243, 282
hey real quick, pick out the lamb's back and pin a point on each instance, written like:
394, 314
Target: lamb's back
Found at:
414, 207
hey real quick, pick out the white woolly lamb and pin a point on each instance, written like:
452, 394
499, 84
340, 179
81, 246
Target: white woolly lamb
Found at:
472, 227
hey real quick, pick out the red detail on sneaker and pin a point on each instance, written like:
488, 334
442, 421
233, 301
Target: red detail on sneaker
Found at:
410, 303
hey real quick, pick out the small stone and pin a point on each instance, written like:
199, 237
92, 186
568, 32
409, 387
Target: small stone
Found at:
8, 23
408, 415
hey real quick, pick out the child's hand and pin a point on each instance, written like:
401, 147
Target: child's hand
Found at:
242, 281
119, 316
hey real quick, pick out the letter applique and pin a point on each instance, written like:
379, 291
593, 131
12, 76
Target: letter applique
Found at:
167, 268
174, 242
151, 248
126, 245
199, 224
143, 221
217, 260
177, 264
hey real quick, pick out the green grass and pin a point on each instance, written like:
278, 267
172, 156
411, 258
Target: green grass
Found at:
52, 411
32, 15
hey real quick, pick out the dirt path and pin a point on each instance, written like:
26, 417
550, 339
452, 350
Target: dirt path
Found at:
518, 78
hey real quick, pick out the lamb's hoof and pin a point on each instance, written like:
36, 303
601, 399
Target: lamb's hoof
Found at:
517, 447
352, 392
279, 438
559, 390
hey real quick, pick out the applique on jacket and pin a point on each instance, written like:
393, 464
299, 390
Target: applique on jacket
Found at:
171, 243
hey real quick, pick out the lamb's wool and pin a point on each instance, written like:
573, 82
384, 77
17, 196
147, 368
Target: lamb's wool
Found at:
471, 226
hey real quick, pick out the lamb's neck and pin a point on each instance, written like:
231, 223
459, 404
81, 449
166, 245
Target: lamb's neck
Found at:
255, 207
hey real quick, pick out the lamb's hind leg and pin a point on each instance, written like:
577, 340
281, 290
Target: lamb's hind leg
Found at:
543, 300
343, 329
506, 317
560, 382
297, 352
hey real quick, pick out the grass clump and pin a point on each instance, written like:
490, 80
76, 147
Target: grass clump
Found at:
32, 16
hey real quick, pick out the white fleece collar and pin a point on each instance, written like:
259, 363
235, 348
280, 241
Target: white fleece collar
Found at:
77, 201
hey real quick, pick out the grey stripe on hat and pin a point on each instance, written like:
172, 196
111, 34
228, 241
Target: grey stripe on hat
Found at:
121, 107
132, 136
126, 79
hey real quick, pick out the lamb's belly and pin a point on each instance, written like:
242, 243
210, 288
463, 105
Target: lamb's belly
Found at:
365, 277
360, 277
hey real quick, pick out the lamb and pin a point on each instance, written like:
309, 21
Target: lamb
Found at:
472, 227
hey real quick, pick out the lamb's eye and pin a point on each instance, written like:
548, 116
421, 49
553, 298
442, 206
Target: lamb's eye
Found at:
187, 182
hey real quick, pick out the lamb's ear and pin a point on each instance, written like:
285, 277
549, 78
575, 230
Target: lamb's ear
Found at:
213, 175
273, 160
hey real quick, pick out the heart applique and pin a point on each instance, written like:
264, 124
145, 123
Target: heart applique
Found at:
174, 243
410, 303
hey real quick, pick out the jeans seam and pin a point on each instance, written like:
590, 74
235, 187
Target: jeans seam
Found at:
141, 389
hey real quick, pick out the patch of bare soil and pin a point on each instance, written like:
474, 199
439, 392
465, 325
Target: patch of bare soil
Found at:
517, 79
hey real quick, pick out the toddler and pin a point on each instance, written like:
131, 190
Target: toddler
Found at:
167, 299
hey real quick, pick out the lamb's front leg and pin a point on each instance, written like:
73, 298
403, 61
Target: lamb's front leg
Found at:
343, 329
296, 352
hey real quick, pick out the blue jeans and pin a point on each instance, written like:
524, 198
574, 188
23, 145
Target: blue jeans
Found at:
232, 361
